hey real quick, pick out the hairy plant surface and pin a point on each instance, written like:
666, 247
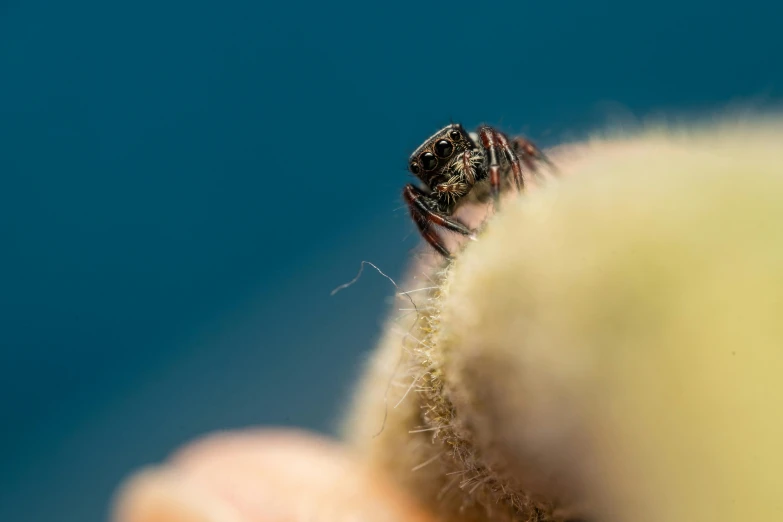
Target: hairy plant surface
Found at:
611, 348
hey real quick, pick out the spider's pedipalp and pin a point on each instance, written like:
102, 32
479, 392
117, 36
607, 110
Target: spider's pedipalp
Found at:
467, 165
453, 189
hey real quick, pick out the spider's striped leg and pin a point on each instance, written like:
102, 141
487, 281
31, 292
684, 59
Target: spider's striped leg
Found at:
489, 142
424, 211
431, 237
513, 160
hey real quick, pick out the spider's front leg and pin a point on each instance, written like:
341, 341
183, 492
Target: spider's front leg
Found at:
425, 211
492, 141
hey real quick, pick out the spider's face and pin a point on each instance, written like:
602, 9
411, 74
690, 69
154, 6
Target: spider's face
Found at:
429, 161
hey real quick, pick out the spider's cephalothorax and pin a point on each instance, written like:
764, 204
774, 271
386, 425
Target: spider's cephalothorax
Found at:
453, 164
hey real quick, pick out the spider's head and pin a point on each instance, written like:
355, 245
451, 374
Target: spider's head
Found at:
434, 155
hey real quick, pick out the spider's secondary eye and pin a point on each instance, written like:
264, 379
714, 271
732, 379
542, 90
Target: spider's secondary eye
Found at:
444, 148
415, 167
428, 161
454, 135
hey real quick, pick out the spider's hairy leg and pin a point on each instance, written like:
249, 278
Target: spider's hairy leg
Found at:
465, 165
424, 210
489, 142
431, 237
513, 160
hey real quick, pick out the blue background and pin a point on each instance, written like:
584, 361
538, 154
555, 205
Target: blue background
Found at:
183, 183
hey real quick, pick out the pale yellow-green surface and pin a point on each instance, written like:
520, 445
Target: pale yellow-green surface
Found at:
611, 347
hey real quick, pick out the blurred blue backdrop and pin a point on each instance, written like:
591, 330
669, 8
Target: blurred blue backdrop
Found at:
183, 183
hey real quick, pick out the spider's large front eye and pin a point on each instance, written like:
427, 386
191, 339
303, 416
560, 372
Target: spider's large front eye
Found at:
428, 161
444, 148
415, 167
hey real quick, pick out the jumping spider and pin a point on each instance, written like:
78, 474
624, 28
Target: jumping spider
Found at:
454, 164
